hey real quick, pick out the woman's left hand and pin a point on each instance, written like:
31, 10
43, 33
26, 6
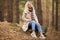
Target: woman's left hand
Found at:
37, 22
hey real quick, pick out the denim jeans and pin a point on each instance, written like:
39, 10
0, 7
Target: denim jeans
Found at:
35, 25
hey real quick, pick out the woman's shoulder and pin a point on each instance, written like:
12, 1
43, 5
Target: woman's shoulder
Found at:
25, 11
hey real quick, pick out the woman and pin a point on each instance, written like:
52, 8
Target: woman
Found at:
30, 18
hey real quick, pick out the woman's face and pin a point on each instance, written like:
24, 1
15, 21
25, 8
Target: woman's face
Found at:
29, 5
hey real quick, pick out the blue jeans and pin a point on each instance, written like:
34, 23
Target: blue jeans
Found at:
35, 25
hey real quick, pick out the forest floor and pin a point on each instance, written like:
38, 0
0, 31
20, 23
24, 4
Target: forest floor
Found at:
12, 31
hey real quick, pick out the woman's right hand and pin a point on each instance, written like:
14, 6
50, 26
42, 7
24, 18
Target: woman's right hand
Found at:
28, 19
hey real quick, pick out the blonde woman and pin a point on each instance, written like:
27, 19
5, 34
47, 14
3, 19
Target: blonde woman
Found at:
30, 19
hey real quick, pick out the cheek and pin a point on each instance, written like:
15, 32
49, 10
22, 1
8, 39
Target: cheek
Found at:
29, 6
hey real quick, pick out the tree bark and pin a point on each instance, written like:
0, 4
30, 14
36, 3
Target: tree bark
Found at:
57, 14
5, 10
52, 12
44, 13
38, 9
15, 11
1, 10
49, 12
10, 11
17, 4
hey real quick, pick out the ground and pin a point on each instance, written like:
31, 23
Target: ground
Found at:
12, 31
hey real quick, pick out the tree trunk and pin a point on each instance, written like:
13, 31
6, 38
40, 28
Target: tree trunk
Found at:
57, 14
1, 10
52, 12
38, 9
10, 13
5, 10
17, 4
15, 11
44, 13
49, 12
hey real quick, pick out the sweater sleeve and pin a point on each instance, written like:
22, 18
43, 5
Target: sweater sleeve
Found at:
36, 19
24, 16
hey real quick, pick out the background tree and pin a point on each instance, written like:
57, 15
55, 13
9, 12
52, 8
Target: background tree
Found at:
38, 8
15, 11
57, 14
10, 13
1, 10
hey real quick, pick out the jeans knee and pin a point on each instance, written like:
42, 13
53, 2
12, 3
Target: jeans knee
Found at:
32, 21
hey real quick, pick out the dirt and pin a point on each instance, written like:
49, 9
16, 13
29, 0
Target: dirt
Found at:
11, 31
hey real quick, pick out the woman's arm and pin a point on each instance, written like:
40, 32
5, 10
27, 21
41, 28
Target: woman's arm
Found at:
36, 19
24, 17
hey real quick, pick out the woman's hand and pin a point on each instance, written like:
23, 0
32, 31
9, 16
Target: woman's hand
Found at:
37, 22
28, 19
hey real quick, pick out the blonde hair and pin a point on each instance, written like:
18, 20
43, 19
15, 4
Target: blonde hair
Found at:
26, 7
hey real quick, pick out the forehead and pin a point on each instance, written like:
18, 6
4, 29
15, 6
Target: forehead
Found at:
29, 4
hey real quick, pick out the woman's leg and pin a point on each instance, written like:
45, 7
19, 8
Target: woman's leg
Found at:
32, 23
40, 30
38, 26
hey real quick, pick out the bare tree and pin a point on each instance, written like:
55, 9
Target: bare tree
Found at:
57, 14
1, 10
49, 12
38, 8
44, 12
10, 13
5, 10
52, 12
15, 13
